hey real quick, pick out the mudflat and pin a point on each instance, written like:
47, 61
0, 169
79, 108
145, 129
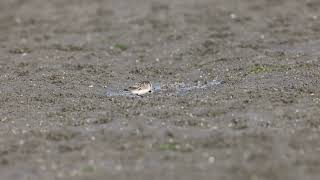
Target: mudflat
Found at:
59, 59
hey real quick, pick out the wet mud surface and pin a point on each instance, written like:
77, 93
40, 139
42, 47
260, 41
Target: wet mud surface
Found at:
59, 59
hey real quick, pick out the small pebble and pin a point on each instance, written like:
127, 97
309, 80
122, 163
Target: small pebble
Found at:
211, 160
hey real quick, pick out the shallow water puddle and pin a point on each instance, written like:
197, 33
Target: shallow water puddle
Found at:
176, 88
311, 48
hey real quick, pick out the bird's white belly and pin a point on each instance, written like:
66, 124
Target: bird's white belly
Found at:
142, 91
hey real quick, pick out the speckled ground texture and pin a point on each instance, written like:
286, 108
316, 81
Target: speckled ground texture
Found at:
59, 58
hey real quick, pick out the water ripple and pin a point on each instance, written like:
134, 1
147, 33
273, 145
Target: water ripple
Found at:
176, 88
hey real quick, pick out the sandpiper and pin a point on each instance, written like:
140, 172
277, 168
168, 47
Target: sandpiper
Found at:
140, 88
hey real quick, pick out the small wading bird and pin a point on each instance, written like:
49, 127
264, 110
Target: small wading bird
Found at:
140, 88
